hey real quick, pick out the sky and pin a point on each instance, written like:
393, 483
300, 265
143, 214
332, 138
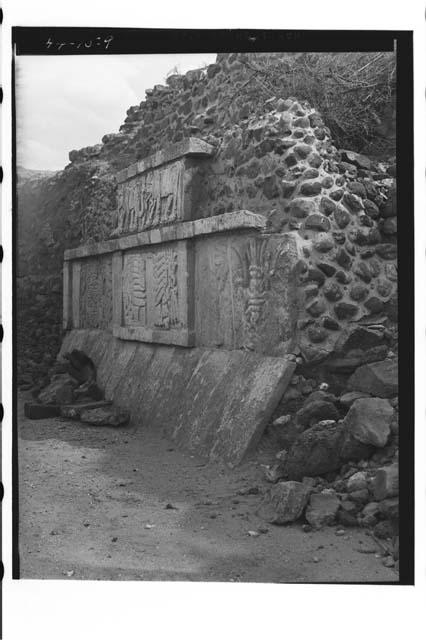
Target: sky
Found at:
70, 102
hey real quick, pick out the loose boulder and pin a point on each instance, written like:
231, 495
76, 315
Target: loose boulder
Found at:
315, 409
358, 337
74, 411
285, 502
322, 509
357, 482
347, 399
105, 416
368, 421
377, 378
386, 482
59, 390
315, 452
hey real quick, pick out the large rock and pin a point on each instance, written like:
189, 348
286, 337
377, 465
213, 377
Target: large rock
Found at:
284, 503
368, 420
347, 399
357, 482
389, 508
59, 391
358, 337
353, 449
317, 408
105, 416
80, 366
378, 378
357, 159
386, 482
322, 509
316, 451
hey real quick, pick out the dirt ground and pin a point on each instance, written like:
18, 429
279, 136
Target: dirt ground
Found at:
125, 504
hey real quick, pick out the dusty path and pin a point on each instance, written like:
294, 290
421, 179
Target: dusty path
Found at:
95, 504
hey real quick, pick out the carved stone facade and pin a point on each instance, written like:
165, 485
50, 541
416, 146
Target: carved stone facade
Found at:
220, 282
151, 199
159, 190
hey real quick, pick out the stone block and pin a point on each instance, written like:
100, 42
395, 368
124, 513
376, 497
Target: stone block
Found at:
73, 411
285, 502
105, 417
386, 482
368, 420
322, 509
40, 411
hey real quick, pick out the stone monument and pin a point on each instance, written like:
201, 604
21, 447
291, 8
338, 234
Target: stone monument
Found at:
186, 317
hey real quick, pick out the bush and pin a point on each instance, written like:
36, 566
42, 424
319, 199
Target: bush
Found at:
354, 92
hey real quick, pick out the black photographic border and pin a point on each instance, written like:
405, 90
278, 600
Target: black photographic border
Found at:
107, 41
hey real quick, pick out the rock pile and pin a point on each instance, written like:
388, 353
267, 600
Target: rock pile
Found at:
339, 445
72, 393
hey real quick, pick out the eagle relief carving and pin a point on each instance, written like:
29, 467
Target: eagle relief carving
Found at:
258, 271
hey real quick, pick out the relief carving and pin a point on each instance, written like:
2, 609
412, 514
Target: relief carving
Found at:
259, 271
166, 289
151, 199
134, 290
96, 294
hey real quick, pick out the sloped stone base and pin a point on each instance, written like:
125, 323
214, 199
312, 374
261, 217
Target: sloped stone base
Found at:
212, 402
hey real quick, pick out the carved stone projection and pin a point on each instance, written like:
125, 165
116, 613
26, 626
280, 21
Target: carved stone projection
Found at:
158, 190
218, 282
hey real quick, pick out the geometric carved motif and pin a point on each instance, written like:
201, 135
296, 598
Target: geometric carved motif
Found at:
165, 265
134, 289
151, 199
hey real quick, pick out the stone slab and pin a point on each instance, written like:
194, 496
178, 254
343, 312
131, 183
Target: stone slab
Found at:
188, 147
35, 411
213, 402
73, 411
161, 189
232, 221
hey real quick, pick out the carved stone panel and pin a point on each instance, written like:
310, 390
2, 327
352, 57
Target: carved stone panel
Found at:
151, 199
155, 285
95, 301
245, 292
159, 189
134, 289
166, 288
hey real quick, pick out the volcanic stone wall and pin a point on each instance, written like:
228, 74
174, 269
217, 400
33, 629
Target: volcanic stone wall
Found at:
273, 155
